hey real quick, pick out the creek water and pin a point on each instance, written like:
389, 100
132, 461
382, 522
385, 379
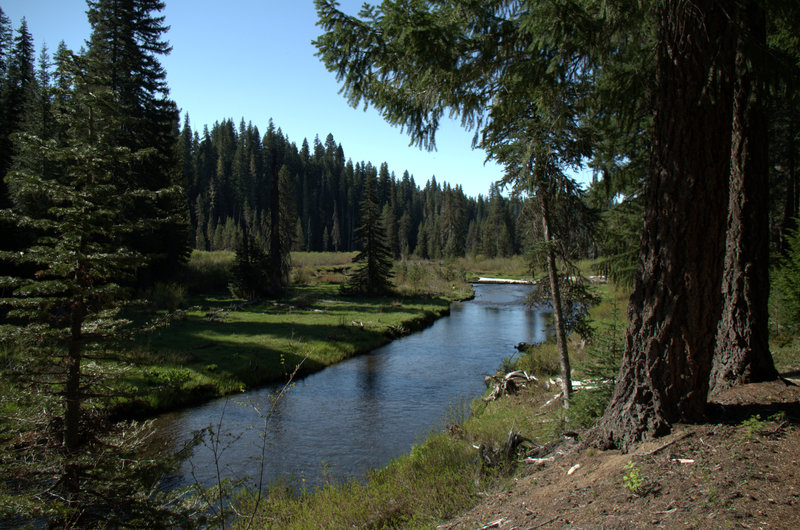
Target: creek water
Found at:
360, 413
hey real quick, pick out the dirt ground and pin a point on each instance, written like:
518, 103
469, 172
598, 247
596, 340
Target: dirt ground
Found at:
740, 471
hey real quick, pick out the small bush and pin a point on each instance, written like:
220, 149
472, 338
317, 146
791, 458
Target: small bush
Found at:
303, 275
430, 278
633, 477
210, 272
599, 372
540, 359
167, 296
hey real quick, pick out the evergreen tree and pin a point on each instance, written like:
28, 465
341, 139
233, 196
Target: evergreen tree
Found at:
69, 308
373, 276
250, 276
494, 63
5, 46
19, 89
389, 220
742, 345
336, 230
299, 237
676, 304
123, 53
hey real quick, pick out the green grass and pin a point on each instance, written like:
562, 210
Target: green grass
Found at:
513, 267
212, 351
215, 348
322, 259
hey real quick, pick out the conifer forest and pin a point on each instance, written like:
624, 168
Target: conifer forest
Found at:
127, 229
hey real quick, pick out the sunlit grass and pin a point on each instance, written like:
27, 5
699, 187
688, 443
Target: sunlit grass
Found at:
221, 346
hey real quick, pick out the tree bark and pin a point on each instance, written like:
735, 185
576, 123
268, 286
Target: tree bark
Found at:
742, 349
677, 301
72, 390
558, 315
72, 400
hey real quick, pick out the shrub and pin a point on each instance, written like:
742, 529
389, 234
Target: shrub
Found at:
167, 296
540, 359
210, 272
250, 278
303, 275
599, 372
787, 288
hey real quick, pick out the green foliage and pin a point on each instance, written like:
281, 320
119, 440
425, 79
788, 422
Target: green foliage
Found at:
786, 288
166, 296
632, 479
753, 425
326, 194
540, 359
619, 235
251, 270
87, 194
418, 278
210, 272
576, 294
373, 276
599, 371
123, 53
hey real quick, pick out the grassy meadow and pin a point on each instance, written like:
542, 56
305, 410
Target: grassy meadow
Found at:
215, 344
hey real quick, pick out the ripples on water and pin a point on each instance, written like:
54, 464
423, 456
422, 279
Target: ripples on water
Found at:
361, 413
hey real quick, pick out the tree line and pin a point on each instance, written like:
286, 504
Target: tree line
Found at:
228, 191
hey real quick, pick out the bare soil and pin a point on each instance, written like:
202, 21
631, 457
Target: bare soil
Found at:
740, 470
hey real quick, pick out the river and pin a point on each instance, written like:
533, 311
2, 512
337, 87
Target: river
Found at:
361, 413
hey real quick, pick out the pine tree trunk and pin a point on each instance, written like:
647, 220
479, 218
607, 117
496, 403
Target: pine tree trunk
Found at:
72, 401
742, 349
72, 390
676, 303
558, 315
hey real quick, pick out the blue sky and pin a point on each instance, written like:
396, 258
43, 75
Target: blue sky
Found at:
253, 59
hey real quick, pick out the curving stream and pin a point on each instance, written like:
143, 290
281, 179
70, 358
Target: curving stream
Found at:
361, 413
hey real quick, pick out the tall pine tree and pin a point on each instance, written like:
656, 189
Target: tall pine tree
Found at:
66, 313
124, 49
373, 276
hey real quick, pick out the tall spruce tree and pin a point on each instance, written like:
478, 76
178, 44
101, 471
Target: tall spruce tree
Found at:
67, 312
677, 301
18, 93
124, 49
373, 276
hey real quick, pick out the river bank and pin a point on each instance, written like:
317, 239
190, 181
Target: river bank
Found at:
224, 346
362, 412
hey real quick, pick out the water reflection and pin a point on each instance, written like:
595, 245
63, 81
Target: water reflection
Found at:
363, 412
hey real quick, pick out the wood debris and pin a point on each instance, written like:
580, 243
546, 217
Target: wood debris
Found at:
508, 384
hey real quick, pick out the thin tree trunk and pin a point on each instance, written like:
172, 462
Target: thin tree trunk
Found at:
742, 349
72, 391
677, 301
558, 315
72, 400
